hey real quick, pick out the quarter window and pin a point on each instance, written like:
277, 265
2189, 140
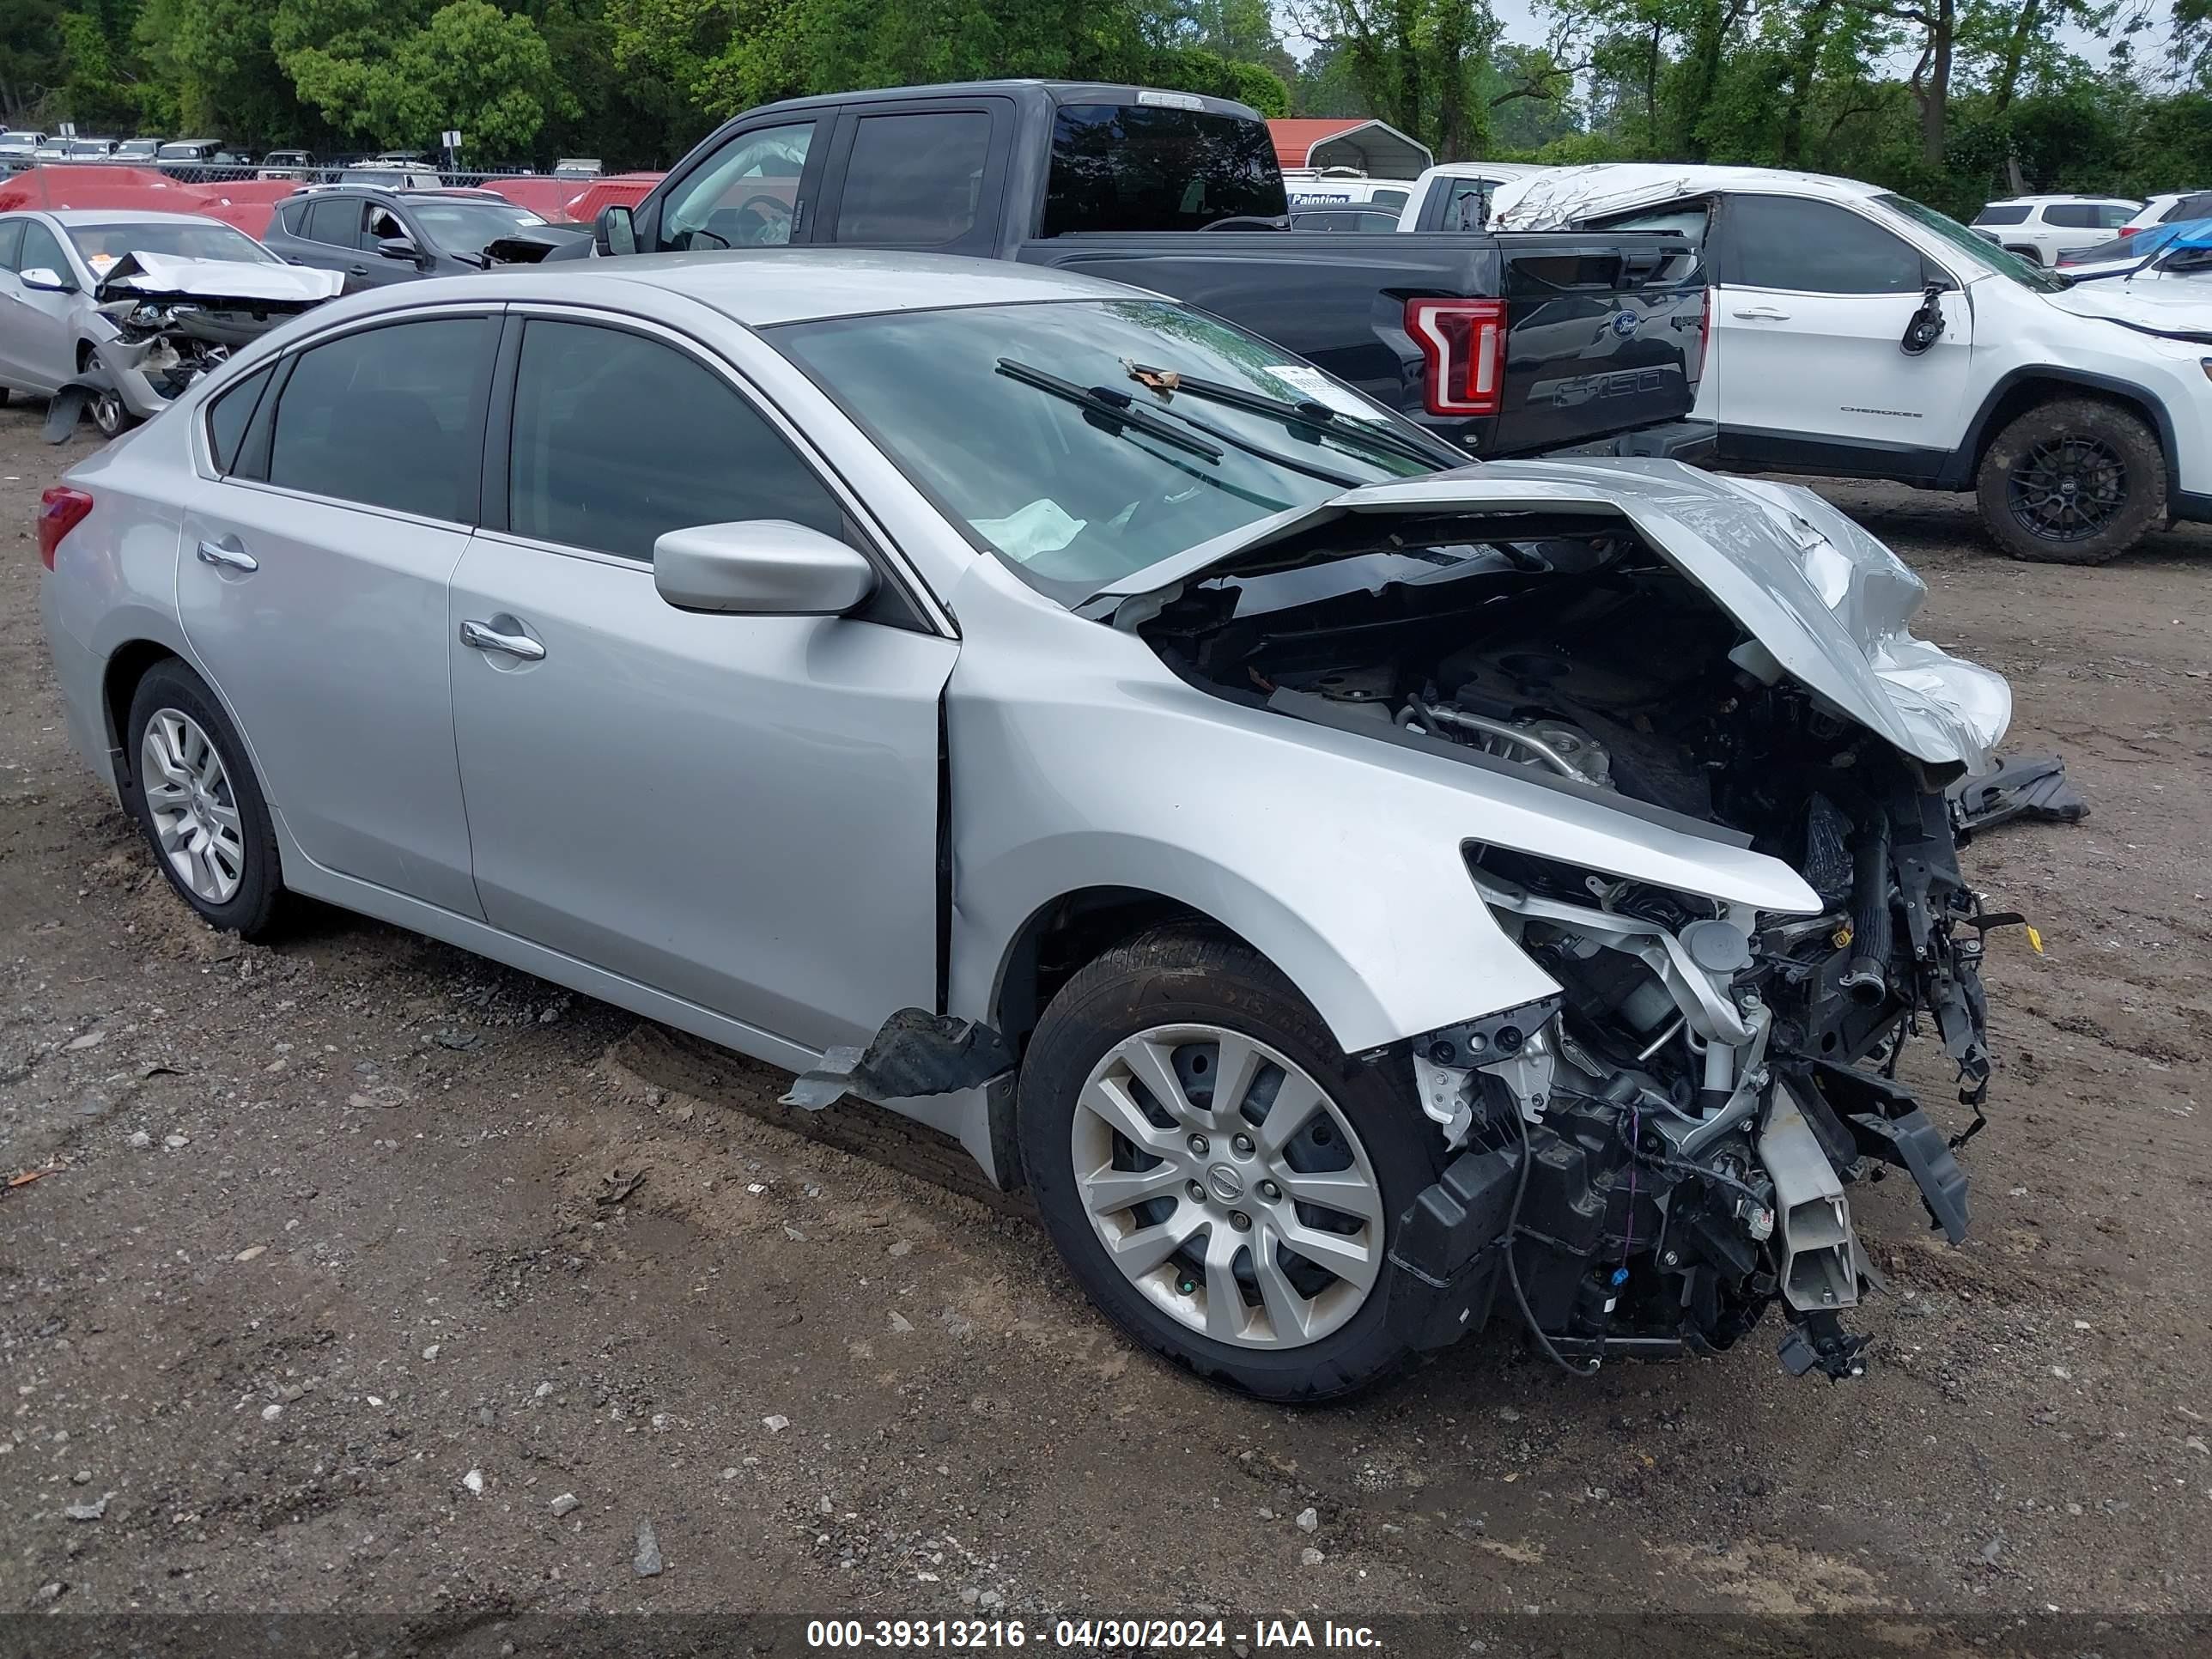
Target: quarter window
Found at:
619, 439
230, 414
389, 417
915, 180
745, 194
1813, 247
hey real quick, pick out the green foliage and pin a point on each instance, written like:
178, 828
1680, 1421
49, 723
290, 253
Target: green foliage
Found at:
2000, 101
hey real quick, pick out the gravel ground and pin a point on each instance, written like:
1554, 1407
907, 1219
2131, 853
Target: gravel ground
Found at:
371, 1276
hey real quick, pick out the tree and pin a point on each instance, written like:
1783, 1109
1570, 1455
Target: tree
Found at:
388, 75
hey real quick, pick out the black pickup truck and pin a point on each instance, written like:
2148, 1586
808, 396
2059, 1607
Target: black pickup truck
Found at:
1513, 345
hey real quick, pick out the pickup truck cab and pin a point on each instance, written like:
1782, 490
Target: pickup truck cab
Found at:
1501, 346
1858, 334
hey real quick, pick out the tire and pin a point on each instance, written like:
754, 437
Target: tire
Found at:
1184, 981
2028, 252
2086, 447
245, 848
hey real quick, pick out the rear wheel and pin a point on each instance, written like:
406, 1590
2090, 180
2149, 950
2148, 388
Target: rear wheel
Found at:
1219, 1178
195, 795
2073, 482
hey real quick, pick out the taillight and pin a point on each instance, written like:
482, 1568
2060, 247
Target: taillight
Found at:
1463, 343
61, 510
2129, 230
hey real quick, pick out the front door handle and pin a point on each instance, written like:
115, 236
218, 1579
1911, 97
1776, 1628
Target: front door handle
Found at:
1764, 314
227, 553
484, 637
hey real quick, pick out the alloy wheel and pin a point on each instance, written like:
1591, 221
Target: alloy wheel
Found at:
2067, 488
107, 416
193, 810
1227, 1187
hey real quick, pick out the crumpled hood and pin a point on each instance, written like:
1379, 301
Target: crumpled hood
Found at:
2180, 306
163, 276
1829, 602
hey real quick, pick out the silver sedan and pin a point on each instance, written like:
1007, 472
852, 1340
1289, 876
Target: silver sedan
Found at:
1350, 887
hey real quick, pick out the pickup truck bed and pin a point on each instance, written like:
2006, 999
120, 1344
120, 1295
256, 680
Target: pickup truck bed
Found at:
1503, 345
1602, 331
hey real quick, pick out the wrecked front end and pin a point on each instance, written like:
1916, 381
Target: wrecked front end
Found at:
1649, 1158
171, 321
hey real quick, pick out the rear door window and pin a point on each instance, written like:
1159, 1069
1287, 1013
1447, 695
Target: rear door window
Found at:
335, 219
1141, 167
1804, 246
389, 417
916, 179
11, 244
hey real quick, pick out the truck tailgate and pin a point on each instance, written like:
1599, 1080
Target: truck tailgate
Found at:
1604, 334
1603, 326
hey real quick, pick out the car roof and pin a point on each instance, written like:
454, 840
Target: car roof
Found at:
69, 216
1059, 92
762, 288
2037, 201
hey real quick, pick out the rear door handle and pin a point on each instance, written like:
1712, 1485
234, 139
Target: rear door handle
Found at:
484, 637
358, 270
226, 552
1764, 315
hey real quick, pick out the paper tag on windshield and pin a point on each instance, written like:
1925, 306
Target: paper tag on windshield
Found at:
1313, 384
101, 263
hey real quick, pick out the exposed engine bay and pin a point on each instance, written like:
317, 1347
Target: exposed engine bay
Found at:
1649, 1158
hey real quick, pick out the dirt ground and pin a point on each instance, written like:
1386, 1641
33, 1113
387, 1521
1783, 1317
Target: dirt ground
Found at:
361, 1256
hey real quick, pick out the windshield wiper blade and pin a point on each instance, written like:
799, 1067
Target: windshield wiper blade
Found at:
1109, 404
1306, 412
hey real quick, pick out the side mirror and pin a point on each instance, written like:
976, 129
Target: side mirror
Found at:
615, 232
1927, 324
46, 281
400, 247
760, 568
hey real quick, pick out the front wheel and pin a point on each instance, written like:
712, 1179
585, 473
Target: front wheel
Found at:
2073, 482
109, 417
1220, 1179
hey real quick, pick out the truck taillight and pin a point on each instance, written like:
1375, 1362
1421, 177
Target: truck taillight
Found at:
1463, 343
61, 509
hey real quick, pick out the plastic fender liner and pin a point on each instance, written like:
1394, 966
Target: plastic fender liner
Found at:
915, 1053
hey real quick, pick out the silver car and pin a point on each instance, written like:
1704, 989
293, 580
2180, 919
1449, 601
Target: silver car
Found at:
129, 308
1350, 888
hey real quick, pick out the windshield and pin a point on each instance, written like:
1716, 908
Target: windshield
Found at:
1982, 251
1051, 481
1132, 167
101, 246
19, 140
469, 226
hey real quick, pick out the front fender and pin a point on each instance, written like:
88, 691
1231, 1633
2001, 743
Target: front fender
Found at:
1080, 761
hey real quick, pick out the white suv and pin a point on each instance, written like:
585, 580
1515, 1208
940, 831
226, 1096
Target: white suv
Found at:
1856, 333
2041, 227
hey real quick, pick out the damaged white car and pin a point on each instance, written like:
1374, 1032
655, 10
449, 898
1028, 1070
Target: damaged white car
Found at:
1352, 889
118, 312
